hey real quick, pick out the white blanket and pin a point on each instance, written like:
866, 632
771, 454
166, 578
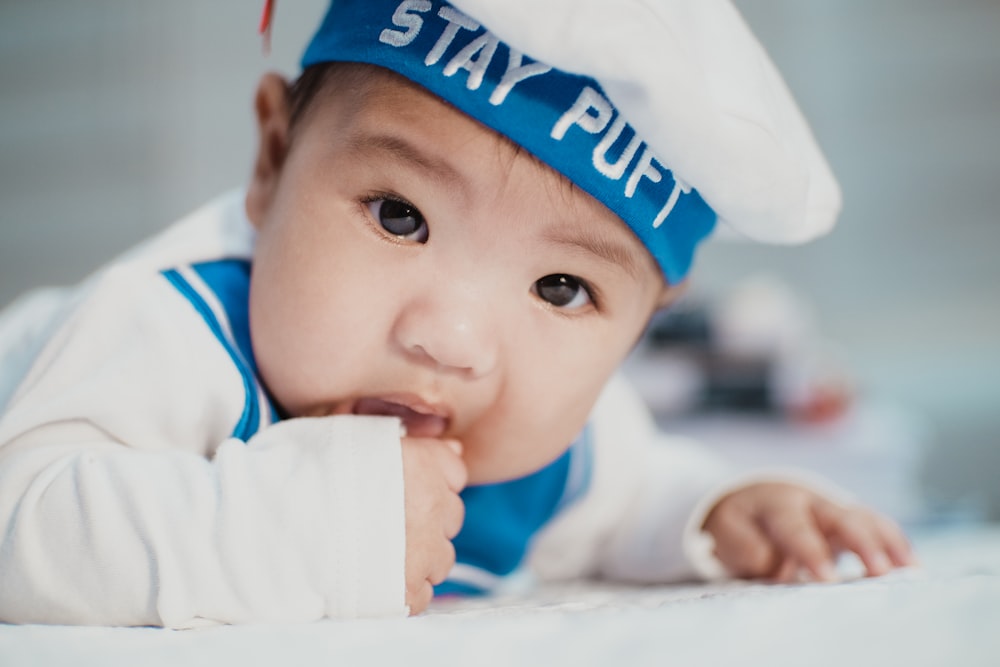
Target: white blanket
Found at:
945, 613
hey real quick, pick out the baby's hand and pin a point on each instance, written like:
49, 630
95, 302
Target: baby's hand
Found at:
777, 530
433, 476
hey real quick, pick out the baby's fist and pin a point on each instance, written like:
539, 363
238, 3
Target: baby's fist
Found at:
433, 476
777, 531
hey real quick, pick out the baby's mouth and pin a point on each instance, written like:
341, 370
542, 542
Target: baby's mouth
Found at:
420, 421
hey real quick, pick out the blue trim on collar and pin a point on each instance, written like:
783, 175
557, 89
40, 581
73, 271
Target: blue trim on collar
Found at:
229, 282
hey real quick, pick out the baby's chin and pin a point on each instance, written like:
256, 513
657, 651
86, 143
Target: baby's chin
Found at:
497, 462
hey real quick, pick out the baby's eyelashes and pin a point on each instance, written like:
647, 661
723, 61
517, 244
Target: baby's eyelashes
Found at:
563, 291
399, 218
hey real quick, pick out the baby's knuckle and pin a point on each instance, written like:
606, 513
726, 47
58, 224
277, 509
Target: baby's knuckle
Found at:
756, 559
416, 567
723, 517
439, 564
419, 598
456, 474
857, 527
448, 558
456, 512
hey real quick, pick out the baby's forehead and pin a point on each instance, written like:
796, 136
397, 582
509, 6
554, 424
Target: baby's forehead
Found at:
380, 94
403, 127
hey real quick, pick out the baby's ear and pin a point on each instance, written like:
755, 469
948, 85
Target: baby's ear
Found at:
272, 110
670, 293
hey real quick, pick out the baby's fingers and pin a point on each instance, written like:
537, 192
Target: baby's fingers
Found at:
742, 546
799, 540
898, 547
879, 544
787, 573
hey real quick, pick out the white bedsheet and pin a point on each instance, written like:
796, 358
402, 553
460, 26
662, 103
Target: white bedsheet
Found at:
945, 613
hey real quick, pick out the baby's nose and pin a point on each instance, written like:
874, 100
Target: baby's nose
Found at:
454, 332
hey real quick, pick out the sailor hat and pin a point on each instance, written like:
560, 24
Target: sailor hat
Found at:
669, 112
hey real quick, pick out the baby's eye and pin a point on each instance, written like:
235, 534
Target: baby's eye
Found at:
399, 219
562, 291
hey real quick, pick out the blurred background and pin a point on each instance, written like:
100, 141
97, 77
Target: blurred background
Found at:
118, 117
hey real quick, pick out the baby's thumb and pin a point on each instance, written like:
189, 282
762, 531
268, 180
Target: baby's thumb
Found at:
454, 467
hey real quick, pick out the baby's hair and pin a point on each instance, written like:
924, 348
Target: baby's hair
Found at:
349, 78
317, 78
303, 90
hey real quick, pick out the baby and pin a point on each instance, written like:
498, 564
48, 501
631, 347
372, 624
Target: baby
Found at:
388, 365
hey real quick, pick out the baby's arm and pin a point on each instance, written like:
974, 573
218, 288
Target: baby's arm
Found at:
98, 533
652, 496
123, 502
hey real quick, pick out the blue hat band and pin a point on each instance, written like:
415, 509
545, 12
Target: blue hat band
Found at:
564, 119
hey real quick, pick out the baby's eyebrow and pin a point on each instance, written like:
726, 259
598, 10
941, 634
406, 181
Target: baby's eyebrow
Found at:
404, 151
599, 245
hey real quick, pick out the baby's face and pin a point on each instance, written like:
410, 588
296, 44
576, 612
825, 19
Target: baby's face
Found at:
412, 263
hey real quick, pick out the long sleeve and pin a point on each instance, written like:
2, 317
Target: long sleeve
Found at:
641, 517
124, 500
